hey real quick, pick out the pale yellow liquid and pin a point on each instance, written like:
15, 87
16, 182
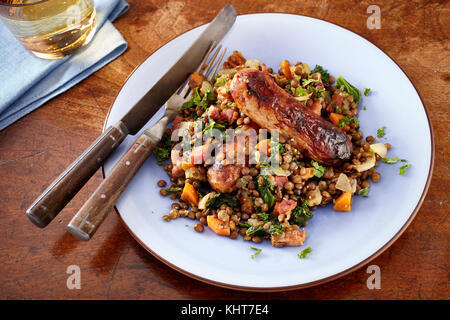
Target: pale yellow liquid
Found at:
52, 29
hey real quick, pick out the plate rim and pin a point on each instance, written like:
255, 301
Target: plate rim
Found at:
312, 283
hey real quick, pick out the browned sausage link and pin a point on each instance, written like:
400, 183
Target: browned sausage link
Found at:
258, 96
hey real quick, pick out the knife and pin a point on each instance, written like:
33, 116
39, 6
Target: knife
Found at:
94, 211
47, 206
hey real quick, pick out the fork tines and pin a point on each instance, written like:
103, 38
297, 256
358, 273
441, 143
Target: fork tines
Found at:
207, 69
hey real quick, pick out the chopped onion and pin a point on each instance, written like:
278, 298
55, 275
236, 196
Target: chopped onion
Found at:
316, 197
252, 64
343, 183
206, 86
366, 165
205, 199
379, 148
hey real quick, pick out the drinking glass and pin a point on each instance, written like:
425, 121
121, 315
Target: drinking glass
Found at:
50, 29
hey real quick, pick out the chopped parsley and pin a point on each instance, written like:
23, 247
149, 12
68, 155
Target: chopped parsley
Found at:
343, 85
381, 132
299, 92
318, 169
403, 168
305, 82
366, 91
220, 82
258, 251
364, 108
304, 253
255, 230
345, 121
392, 160
323, 72
364, 192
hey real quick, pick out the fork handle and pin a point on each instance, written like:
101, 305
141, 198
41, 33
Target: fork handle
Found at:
86, 222
65, 187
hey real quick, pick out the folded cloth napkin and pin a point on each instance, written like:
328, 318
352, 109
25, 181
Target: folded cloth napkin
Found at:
27, 82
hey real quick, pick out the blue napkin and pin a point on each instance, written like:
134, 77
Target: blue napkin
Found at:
27, 82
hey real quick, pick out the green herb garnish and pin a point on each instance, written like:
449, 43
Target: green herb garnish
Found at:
344, 121
392, 160
318, 169
366, 91
173, 189
305, 82
380, 132
200, 101
364, 192
403, 168
343, 85
304, 253
258, 251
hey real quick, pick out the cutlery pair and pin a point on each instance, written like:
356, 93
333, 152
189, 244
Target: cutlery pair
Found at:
47, 206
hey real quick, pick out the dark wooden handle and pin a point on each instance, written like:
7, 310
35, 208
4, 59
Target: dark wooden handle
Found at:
66, 186
94, 211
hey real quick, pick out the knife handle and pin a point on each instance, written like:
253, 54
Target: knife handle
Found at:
65, 187
86, 222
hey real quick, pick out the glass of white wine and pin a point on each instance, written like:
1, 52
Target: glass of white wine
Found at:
50, 29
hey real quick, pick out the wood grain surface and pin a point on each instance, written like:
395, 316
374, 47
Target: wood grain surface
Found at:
37, 148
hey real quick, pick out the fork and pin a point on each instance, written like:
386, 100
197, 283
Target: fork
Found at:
94, 211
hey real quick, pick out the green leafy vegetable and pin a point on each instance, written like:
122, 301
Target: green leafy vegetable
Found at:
380, 132
301, 214
200, 101
318, 169
223, 198
162, 152
403, 168
366, 91
265, 189
173, 189
364, 192
323, 72
347, 87
255, 230
220, 82
304, 253
258, 251
275, 229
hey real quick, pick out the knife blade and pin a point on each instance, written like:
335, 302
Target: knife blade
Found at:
47, 206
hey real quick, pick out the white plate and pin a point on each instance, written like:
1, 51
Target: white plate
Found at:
341, 241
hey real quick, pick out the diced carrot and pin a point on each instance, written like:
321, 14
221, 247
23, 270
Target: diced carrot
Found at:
186, 165
264, 68
236, 59
344, 202
336, 118
189, 194
218, 226
196, 80
285, 69
264, 147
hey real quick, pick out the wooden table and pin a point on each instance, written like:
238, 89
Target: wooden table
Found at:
35, 149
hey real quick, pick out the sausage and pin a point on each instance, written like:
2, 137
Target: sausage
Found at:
223, 178
258, 96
